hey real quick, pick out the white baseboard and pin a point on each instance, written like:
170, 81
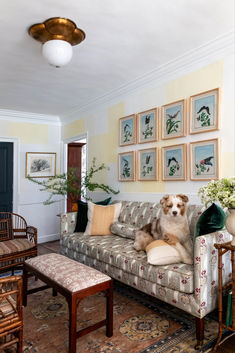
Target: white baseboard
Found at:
47, 238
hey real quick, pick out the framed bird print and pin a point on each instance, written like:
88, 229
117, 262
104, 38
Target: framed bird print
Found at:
127, 130
204, 160
147, 164
174, 119
204, 112
148, 126
174, 160
126, 166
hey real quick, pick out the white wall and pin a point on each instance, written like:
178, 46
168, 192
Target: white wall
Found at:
29, 135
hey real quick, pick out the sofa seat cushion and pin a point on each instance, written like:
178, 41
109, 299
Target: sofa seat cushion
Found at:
119, 252
14, 246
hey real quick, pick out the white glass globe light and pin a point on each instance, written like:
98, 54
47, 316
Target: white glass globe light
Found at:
57, 52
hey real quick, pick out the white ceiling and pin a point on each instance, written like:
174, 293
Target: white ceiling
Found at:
125, 39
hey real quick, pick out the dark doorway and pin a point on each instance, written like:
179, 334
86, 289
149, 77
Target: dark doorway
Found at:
6, 176
74, 161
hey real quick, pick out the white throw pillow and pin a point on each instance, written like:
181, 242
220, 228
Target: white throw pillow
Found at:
161, 253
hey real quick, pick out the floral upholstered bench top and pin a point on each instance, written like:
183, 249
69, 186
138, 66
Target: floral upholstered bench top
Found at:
68, 273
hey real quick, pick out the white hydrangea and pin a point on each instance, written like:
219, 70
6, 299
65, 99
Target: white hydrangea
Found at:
222, 191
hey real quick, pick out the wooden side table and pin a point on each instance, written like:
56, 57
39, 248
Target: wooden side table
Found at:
222, 249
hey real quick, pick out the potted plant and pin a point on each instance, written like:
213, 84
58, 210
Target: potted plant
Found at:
222, 191
72, 186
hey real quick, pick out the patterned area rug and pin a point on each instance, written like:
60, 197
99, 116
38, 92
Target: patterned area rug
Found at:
142, 324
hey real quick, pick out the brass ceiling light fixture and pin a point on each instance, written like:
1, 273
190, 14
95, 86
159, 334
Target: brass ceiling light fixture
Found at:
57, 35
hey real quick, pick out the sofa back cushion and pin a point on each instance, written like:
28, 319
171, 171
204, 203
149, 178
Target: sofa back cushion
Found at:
137, 214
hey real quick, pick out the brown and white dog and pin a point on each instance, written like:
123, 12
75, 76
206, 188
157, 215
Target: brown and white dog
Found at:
171, 226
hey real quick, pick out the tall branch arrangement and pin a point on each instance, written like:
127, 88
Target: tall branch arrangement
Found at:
69, 184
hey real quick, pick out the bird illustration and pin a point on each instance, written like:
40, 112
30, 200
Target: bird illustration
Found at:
126, 163
147, 119
173, 116
206, 108
127, 126
147, 159
172, 159
207, 161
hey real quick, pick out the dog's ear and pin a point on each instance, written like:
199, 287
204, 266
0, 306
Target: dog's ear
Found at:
164, 199
183, 197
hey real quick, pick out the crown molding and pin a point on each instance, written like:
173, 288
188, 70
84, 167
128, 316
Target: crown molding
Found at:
209, 52
28, 117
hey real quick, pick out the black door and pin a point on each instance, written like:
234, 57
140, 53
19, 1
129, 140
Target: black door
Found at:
6, 176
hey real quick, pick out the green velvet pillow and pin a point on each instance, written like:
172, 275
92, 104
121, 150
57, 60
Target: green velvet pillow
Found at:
211, 220
82, 214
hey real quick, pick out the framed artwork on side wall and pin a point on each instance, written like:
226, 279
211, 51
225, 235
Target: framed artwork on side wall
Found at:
148, 126
174, 119
148, 164
174, 159
204, 160
127, 130
204, 111
40, 164
126, 166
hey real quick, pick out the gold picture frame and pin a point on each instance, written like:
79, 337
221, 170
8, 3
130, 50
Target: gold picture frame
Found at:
204, 159
127, 166
40, 164
148, 164
127, 130
174, 119
174, 162
204, 111
147, 125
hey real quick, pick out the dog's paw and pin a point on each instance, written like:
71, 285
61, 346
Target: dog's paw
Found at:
137, 247
170, 239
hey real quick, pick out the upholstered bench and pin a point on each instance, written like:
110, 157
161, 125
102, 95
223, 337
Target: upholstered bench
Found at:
74, 281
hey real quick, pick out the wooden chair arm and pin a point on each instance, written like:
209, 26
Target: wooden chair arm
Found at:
32, 234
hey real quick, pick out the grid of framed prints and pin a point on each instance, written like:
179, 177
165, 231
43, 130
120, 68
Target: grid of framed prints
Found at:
173, 163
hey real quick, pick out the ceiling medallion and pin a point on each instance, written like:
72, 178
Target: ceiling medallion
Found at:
57, 36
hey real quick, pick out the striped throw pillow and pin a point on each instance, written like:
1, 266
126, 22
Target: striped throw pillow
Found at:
100, 218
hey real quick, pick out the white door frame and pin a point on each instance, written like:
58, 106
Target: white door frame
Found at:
16, 169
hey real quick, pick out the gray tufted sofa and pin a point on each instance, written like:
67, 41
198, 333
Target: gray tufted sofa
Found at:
192, 288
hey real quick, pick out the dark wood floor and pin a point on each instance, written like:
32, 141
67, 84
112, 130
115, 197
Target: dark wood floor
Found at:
228, 346
46, 248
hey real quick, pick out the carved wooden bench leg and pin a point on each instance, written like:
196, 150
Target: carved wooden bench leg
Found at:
199, 332
109, 311
72, 323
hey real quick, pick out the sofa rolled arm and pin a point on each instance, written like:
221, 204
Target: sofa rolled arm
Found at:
32, 234
67, 223
206, 269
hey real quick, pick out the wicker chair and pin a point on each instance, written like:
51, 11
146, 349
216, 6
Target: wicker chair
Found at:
17, 241
11, 317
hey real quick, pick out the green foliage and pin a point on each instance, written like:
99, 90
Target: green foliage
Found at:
172, 126
69, 184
